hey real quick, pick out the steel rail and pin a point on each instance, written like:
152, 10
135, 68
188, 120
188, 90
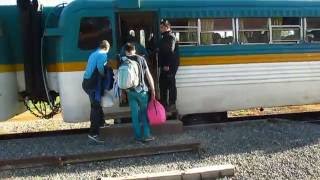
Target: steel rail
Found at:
61, 160
43, 134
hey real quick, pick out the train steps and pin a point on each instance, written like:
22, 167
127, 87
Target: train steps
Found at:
126, 130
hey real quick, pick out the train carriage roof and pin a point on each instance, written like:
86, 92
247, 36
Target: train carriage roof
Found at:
212, 8
202, 3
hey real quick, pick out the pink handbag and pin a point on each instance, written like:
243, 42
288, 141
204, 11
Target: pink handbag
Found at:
156, 113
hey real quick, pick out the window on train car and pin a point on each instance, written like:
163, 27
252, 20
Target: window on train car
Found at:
216, 31
286, 30
185, 30
92, 31
253, 30
313, 30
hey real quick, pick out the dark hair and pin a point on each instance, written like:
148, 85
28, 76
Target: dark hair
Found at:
129, 47
165, 23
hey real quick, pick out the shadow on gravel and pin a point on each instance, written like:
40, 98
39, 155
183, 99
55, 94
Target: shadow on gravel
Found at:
216, 143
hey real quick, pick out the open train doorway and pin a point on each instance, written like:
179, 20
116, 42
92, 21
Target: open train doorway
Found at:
141, 28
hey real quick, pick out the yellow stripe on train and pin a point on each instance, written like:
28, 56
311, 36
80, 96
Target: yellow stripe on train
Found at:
11, 68
207, 60
187, 61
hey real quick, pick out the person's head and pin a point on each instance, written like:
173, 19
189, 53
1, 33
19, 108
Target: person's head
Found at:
104, 45
164, 25
132, 33
131, 36
130, 49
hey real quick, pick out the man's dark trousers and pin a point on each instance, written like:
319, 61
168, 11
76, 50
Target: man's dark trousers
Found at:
96, 113
167, 82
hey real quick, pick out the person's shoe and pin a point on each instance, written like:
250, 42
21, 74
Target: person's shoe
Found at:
148, 139
106, 125
139, 141
94, 139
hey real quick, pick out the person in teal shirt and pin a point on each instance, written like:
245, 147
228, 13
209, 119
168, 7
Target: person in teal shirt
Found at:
139, 96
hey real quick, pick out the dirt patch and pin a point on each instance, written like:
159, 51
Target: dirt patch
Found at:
27, 116
275, 110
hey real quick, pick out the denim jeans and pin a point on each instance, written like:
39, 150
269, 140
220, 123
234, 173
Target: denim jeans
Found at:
138, 104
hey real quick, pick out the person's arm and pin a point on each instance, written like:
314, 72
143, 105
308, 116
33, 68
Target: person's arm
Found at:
151, 83
169, 50
172, 43
149, 78
101, 63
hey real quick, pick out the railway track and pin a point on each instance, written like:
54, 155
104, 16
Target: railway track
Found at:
43, 134
307, 117
60, 160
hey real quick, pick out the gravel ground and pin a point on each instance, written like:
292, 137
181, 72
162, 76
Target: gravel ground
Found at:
26, 122
259, 150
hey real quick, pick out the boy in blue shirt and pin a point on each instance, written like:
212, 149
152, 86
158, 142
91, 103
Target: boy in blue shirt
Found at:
91, 82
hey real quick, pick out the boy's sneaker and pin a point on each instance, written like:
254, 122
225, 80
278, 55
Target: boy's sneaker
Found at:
94, 139
139, 141
148, 139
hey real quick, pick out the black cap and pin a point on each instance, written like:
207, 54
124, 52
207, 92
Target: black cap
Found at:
164, 22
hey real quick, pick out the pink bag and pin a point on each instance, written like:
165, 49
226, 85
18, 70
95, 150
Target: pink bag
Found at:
156, 113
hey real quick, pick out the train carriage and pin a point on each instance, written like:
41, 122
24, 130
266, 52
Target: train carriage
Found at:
234, 54
11, 69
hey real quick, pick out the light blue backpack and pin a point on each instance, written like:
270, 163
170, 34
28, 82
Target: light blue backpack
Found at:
128, 73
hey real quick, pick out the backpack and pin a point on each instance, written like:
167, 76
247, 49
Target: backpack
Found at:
128, 73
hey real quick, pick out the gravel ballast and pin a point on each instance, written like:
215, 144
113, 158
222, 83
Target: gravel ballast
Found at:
258, 150
28, 123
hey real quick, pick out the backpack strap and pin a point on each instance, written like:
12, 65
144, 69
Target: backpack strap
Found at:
140, 61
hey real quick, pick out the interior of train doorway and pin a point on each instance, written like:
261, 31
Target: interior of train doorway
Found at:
141, 27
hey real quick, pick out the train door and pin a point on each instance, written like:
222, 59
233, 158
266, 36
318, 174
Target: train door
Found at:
140, 27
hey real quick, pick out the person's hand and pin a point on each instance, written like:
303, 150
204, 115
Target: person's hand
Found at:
166, 68
153, 94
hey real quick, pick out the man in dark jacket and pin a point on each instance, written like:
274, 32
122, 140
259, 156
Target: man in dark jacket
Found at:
169, 63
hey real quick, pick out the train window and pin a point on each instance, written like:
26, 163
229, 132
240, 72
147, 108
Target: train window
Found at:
313, 29
216, 31
253, 30
92, 31
286, 30
186, 31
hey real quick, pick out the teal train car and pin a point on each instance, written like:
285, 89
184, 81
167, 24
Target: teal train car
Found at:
234, 54
11, 70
